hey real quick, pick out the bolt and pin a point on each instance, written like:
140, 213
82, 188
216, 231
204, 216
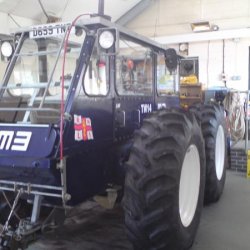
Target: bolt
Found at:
67, 197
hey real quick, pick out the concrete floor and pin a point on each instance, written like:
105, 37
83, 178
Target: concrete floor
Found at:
224, 225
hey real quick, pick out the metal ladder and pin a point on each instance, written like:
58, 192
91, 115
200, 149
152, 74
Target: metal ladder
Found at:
39, 86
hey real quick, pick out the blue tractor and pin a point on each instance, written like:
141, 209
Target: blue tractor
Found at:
89, 106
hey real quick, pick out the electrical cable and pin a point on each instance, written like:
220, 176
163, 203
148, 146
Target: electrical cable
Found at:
12, 18
43, 9
223, 63
65, 7
208, 61
156, 19
62, 81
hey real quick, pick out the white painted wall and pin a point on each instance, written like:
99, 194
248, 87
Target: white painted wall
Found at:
210, 56
211, 62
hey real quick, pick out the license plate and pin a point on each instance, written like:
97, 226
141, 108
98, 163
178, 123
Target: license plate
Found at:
49, 30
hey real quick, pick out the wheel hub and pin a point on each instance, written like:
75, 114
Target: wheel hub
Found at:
189, 185
220, 152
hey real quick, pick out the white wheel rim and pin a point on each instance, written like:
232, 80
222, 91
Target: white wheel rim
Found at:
220, 152
189, 185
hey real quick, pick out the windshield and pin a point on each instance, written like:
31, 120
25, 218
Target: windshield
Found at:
34, 77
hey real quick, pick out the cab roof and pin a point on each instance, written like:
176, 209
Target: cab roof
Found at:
96, 22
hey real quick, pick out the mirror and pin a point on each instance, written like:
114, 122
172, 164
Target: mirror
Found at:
171, 59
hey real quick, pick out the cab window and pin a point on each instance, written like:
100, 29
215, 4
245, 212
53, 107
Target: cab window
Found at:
134, 69
96, 77
165, 80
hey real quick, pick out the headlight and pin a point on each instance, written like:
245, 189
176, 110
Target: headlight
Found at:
6, 49
106, 39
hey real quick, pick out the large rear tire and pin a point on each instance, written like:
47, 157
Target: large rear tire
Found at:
164, 185
214, 132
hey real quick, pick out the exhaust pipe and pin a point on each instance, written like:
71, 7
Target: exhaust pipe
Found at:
101, 10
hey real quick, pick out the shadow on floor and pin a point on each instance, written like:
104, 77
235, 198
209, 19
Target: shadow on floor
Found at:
224, 225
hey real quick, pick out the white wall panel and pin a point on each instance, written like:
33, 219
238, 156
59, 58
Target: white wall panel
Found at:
211, 62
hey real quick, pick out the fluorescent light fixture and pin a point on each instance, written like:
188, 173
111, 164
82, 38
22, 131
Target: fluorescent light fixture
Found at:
200, 26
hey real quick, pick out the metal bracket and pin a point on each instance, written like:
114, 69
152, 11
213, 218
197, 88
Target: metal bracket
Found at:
120, 117
62, 167
36, 208
67, 116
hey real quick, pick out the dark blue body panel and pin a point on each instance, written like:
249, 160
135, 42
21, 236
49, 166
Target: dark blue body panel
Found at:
100, 111
33, 150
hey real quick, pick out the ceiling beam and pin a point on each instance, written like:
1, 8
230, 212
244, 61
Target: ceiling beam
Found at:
134, 12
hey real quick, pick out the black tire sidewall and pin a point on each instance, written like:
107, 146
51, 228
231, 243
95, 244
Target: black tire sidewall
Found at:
212, 181
178, 236
211, 116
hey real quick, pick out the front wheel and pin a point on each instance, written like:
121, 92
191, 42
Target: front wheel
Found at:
164, 186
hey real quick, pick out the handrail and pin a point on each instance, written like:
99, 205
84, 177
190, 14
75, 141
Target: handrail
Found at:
32, 86
53, 70
45, 53
30, 188
30, 109
23, 86
39, 53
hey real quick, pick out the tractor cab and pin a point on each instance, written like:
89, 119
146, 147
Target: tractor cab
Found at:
70, 100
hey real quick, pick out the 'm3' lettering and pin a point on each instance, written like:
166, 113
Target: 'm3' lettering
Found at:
19, 141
